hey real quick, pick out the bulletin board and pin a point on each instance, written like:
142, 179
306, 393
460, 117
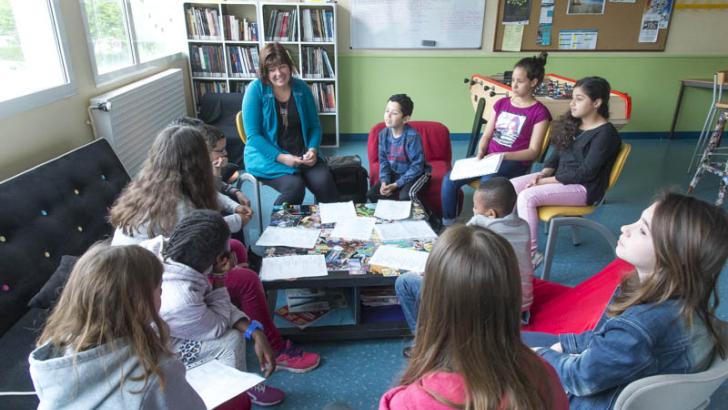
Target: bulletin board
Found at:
618, 27
413, 24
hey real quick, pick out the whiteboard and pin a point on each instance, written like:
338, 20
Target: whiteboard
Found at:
417, 23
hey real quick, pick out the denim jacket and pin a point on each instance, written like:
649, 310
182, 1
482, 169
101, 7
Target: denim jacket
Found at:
645, 340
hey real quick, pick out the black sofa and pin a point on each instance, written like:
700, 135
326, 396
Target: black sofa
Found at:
57, 208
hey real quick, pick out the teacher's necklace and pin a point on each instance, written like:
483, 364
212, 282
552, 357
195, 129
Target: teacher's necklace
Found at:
283, 109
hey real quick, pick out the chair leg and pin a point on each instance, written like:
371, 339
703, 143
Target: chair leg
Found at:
548, 257
246, 177
575, 236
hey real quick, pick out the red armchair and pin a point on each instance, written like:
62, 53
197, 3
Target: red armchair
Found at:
438, 153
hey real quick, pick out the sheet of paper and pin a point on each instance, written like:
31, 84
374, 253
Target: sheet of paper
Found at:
398, 231
649, 29
512, 37
473, 167
392, 210
578, 39
336, 211
294, 237
358, 229
293, 267
399, 258
217, 383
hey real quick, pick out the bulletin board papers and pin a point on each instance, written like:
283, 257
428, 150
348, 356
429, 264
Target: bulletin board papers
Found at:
545, 23
661, 8
512, 37
217, 383
516, 11
586, 7
650, 28
578, 39
293, 267
399, 258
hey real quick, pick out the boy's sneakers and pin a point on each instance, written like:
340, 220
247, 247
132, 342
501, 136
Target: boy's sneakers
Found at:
263, 395
295, 360
536, 259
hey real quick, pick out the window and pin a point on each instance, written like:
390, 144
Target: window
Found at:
33, 65
126, 36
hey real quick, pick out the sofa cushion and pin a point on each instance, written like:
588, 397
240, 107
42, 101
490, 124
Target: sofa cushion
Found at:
57, 208
16, 345
51, 291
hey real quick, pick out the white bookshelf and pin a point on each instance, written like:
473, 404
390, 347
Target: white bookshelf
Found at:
299, 44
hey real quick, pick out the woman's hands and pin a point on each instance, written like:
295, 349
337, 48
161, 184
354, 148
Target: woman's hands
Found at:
308, 159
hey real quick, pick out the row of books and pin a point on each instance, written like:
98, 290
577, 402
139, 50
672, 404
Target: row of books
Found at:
317, 25
204, 87
202, 23
243, 61
325, 97
282, 25
378, 296
316, 63
237, 30
238, 86
207, 61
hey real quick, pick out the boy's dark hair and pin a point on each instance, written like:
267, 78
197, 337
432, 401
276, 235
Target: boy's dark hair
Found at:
534, 66
198, 239
405, 103
499, 194
188, 121
212, 134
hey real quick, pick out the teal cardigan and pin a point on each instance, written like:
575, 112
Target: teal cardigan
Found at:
261, 127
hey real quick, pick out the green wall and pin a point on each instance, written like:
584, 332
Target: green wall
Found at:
435, 83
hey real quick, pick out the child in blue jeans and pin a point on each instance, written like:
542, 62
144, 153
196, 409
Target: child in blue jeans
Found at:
402, 167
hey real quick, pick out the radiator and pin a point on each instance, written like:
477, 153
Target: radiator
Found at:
131, 116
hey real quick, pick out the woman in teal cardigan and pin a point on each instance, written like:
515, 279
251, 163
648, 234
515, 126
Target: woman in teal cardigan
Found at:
284, 132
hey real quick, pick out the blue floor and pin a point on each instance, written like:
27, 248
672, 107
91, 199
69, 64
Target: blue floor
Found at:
358, 372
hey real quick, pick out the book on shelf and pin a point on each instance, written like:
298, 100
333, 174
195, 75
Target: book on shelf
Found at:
281, 25
301, 319
207, 61
202, 23
315, 300
325, 97
317, 25
316, 63
204, 87
243, 61
239, 30
378, 296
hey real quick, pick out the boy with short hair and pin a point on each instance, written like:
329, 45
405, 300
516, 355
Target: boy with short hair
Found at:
493, 206
403, 170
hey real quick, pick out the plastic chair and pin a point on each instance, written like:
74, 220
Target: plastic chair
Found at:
720, 78
558, 216
246, 176
676, 391
438, 153
544, 147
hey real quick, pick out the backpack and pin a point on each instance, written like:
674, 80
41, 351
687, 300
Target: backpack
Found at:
352, 180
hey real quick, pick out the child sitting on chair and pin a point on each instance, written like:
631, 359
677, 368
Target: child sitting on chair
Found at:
493, 203
402, 167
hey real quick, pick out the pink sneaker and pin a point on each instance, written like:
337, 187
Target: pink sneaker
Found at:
265, 396
295, 360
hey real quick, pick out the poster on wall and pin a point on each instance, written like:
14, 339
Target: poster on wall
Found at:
516, 11
650, 28
578, 39
545, 23
585, 7
660, 8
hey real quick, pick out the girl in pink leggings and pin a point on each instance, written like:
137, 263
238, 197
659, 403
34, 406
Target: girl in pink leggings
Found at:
577, 173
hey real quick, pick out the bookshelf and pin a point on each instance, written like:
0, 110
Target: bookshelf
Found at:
224, 39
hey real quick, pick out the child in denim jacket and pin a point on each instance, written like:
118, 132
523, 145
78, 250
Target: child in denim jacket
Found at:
661, 320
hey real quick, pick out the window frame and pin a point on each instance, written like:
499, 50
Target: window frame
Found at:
137, 67
47, 96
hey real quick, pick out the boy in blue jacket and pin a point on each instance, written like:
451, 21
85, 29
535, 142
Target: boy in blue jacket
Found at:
403, 171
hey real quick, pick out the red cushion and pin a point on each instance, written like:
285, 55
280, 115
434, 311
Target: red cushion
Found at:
560, 309
438, 153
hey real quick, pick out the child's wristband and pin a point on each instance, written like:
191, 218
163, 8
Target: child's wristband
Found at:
252, 327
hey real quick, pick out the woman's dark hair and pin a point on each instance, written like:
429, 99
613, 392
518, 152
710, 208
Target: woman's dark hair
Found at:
274, 54
198, 239
534, 66
566, 127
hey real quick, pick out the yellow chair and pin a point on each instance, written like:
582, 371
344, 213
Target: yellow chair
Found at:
544, 146
557, 216
248, 177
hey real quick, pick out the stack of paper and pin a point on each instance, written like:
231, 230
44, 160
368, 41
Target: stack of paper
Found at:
336, 211
474, 167
399, 258
357, 229
292, 237
392, 210
399, 231
217, 383
293, 267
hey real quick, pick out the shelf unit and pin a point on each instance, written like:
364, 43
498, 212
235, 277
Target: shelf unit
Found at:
219, 63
